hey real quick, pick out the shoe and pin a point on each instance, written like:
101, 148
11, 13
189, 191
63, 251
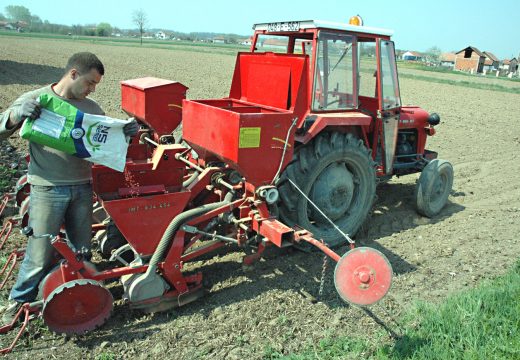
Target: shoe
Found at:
10, 311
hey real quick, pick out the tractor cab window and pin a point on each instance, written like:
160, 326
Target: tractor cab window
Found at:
389, 82
306, 47
334, 76
271, 43
280, 44
367, 72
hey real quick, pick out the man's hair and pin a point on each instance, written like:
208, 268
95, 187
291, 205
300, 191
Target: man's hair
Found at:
83, 62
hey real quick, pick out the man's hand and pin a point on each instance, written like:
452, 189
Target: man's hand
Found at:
29, 109
131, 128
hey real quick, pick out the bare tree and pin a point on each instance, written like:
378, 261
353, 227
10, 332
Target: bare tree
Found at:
433, 55
140, 19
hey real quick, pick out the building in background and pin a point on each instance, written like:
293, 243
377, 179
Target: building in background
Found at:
412, 56
491, 62
448, 60
509, 66
470, 59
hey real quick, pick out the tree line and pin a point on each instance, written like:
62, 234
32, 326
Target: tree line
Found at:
21, 18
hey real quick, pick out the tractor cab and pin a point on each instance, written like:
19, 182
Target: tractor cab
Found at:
352, 87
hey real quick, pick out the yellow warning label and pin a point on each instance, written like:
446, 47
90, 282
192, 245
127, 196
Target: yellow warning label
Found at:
249, 137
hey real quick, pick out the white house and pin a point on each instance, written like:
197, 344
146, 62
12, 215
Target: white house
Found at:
246, 42
412, 56
160, 35
219, 40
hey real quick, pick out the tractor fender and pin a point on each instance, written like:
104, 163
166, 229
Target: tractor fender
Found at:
357, 123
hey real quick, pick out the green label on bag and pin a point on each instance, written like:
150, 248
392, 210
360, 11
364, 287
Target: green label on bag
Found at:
54, 126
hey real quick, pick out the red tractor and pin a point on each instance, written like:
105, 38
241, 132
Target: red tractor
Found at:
291, 157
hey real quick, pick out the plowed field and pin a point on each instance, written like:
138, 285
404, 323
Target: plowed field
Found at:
275, 307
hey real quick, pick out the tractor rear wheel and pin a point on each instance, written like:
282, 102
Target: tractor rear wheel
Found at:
337, 173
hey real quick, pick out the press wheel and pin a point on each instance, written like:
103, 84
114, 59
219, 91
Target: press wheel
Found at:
77, 306
363, 276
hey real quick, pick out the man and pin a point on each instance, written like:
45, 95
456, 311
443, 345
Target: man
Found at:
61, 190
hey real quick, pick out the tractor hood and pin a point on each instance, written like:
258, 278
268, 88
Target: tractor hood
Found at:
413, 116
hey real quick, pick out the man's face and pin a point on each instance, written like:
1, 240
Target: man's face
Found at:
84, 84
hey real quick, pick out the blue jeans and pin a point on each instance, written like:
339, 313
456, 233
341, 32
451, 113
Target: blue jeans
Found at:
50, 207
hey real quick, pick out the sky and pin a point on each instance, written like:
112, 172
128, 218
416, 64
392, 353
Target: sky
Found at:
450, 25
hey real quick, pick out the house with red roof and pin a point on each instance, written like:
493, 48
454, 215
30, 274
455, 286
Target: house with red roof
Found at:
491, 62
447, 60
470, 59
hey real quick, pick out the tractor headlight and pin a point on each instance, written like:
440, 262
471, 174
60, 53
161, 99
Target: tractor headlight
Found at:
434, 119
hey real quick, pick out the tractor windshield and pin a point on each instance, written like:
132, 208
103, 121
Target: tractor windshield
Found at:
389, 81
334, 72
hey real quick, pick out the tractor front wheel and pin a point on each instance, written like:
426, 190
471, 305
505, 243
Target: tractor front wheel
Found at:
337, 173
434, 187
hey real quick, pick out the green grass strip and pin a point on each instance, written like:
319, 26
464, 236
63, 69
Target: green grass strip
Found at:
482, 323
470, 84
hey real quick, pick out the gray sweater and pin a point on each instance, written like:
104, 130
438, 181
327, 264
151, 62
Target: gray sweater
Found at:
49, 166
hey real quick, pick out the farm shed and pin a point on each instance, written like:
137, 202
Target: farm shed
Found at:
470, 59
491, 62
510, 66
448, 60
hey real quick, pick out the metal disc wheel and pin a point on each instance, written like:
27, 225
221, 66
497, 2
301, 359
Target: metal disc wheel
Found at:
434, 187
363, 276
112, 240
337, 173
77, 306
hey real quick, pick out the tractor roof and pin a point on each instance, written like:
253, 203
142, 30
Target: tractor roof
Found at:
294, 26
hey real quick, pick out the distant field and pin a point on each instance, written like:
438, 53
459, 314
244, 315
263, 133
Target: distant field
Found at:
147, 43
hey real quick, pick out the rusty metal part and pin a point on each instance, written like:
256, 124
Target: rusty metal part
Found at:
77, 306
4, 202
25, 312
9, 266
23, 212
323, 274
6, 231
22, 189
363, 276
